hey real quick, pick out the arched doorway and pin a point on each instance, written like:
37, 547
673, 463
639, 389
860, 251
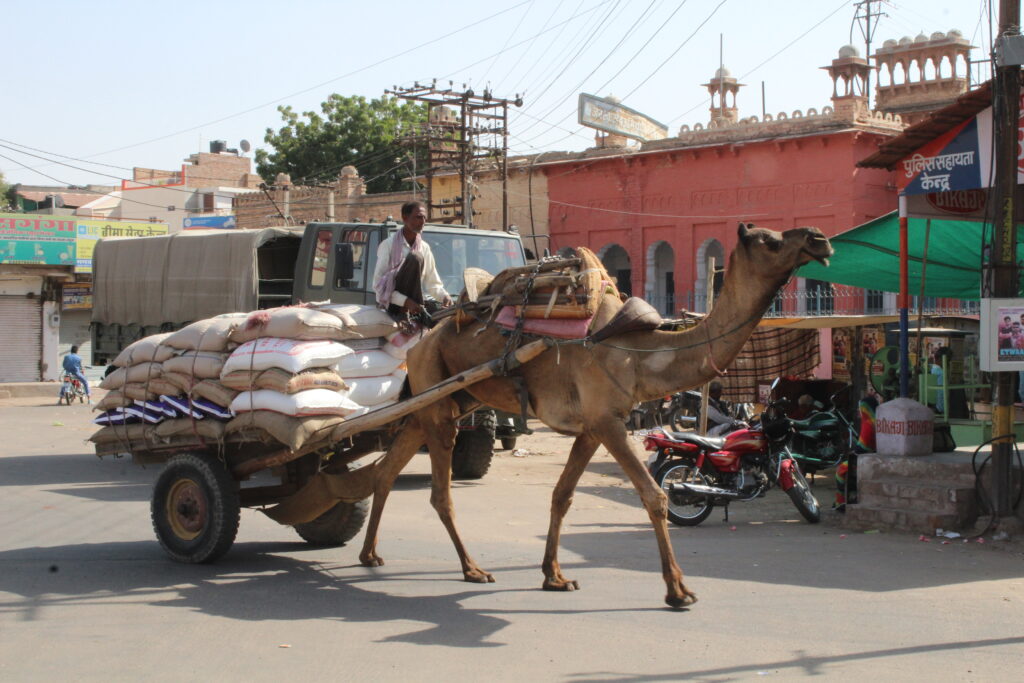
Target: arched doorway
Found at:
711, 248
616, 262
660, 280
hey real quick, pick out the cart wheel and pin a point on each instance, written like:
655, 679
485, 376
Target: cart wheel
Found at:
195, 509
337, 526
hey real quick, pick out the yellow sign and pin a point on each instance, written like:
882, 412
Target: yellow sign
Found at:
90, 231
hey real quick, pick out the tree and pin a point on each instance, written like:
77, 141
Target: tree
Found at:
314, 147
6, 195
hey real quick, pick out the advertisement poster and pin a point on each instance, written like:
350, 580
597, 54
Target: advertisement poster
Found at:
88, 232
76, 297
841, 354
1009, 324
42, 240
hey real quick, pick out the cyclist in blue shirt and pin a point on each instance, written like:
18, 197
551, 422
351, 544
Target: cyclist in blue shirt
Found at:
73, 366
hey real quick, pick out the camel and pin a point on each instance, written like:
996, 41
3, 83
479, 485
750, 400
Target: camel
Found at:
588, 391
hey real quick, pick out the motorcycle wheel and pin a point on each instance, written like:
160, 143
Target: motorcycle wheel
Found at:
69, 397
684, 509
803, 499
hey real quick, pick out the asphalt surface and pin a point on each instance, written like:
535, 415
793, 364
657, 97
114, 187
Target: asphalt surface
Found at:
86, 593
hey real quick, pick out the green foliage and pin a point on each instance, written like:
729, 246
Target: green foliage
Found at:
5, 190
313, 147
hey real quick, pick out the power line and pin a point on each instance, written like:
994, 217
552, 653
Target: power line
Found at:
625, 36
318, 85
624, 66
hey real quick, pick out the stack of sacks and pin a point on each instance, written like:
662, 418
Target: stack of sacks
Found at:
281, 375
167, 385
376, 372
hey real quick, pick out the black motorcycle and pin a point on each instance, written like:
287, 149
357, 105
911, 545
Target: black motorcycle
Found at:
823, 439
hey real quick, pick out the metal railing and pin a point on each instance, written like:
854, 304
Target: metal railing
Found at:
837, 300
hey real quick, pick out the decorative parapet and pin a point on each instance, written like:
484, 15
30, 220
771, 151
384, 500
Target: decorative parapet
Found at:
795, 123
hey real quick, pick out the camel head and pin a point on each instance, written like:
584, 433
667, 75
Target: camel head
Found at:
773, 255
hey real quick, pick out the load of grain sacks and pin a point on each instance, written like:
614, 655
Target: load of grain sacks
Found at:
286, 375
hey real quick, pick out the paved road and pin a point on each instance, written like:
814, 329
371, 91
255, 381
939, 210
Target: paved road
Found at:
87, 594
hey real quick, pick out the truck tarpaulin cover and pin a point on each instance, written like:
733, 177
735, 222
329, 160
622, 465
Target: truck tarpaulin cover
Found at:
177, 278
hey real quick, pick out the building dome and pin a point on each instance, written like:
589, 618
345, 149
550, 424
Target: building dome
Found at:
848, 51
889, 44
722, 73
921, 38
938, 35
613, 98
954, 34
349, 171
905, 40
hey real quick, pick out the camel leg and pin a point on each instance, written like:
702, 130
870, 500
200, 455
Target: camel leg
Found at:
398, 455
561, 498
613, 436
441, 441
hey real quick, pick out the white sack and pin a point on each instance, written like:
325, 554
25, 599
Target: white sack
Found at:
304, 403
288, 354
367, 364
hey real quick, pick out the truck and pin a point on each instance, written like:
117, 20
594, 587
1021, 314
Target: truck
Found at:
148, 285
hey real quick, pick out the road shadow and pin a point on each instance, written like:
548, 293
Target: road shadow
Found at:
252, 584
791, 552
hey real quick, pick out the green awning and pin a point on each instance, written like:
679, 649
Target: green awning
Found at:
868, 256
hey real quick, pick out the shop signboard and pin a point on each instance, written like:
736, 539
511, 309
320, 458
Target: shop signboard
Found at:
217, 222
612, 117
32, 239
88, 232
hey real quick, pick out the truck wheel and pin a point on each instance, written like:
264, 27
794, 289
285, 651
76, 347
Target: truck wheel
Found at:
195, 509
337, 526
508, 443
474, 448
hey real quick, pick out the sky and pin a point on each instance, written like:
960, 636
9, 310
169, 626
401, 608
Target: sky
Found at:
94, 89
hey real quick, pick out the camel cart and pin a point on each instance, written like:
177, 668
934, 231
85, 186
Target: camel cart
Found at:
197, 497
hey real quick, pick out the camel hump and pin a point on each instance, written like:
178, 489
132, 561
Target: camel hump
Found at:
636, 315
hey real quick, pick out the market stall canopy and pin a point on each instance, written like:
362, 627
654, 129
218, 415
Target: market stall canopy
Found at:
868, 256
828, 321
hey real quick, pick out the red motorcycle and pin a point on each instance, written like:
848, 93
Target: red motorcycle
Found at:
699, 472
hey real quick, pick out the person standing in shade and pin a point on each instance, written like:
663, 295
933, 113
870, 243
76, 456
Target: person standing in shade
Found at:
406, 274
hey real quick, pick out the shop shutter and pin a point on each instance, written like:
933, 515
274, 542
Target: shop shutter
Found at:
20, 338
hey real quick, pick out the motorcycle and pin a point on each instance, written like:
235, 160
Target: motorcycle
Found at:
824, 439
683, 411
698, 472
71, 388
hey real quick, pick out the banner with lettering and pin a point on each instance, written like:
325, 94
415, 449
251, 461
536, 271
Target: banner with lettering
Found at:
90, 231
949, 162
37, 239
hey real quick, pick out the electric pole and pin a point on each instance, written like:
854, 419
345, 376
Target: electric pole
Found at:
1004, 277
862, 18
463, 132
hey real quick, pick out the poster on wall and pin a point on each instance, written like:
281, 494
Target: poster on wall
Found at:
841, 354
77, 296
1002, 335
41, 240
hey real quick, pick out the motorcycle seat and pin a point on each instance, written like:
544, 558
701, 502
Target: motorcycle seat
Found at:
714, 443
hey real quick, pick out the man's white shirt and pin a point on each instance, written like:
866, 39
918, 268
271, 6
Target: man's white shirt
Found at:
429, 279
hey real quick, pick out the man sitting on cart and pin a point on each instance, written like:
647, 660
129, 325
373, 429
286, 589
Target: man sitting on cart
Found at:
406, 279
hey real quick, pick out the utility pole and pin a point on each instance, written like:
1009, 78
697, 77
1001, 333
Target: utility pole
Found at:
863, 14
463, 131
1004, 275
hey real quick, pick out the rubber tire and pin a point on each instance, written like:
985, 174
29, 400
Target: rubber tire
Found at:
69, 397
675, 518
474, 449
337, 526
508, 443
803, 499
219, 492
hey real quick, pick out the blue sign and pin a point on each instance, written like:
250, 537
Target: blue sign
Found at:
223, 222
